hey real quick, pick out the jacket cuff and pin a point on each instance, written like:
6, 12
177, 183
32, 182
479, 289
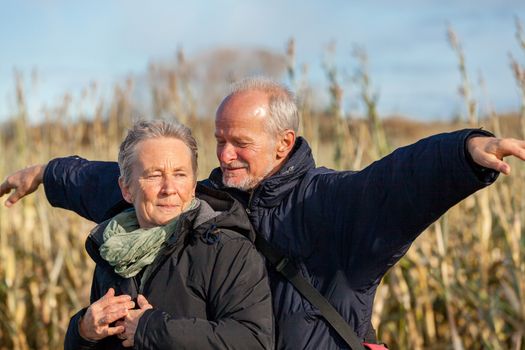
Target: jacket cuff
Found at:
485, 175
73, 338
140, 340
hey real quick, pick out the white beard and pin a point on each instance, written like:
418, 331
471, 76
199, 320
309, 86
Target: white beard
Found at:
248, 183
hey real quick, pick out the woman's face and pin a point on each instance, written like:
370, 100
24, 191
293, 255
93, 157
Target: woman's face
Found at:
162, 183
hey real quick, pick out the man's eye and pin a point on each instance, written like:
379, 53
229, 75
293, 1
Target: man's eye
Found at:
153, 176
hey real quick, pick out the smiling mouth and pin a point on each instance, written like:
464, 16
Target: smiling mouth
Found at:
234, 169
168, 206
233, 172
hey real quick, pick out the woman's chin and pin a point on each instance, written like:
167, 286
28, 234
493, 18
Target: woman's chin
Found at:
166, 218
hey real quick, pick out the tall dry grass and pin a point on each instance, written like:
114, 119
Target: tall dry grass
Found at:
461, 285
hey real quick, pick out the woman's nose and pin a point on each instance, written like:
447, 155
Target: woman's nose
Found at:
169, 185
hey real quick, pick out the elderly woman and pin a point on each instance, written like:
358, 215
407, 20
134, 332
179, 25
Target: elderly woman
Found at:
188, 261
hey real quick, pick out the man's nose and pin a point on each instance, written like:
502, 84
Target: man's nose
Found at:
227, 153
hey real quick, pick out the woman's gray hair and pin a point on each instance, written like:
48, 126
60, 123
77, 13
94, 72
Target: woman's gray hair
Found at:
282, 106
151, 129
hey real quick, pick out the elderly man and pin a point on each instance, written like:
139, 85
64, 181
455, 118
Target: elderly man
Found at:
342, 229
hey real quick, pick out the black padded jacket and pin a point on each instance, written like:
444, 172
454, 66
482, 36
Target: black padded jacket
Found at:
208, 286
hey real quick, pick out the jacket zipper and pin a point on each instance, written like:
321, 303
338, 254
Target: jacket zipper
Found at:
136, 284
248, 210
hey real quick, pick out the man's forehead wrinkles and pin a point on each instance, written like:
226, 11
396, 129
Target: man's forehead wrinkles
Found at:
235, 130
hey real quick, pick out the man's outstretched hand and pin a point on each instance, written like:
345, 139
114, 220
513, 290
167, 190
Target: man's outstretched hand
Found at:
23, 182
490, 151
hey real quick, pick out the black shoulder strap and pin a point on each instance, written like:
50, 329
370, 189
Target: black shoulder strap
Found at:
288, 269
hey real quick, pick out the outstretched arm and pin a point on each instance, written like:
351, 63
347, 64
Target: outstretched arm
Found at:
383, 208
89, 188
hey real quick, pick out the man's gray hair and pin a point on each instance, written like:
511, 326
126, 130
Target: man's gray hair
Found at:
282, 106
150, 129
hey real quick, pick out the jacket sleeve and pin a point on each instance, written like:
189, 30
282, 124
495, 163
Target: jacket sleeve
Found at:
90, 189
73, 339
373, 215
239, 303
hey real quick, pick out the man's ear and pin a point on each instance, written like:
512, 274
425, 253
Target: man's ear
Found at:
125, 190
285, 143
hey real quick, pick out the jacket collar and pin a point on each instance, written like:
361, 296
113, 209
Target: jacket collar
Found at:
272, 189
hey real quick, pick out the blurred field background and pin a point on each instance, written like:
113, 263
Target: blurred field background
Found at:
461, 286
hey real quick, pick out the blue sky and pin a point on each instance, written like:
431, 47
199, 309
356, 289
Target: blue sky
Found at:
411, 65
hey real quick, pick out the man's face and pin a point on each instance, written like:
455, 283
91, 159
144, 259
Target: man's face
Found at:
246, 151
162, 183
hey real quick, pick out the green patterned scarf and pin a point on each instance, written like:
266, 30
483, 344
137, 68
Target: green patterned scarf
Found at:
129, 248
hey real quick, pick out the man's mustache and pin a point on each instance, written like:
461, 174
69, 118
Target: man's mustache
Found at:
236, 164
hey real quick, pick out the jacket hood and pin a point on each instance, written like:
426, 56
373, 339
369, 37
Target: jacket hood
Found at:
272, 190
217, 210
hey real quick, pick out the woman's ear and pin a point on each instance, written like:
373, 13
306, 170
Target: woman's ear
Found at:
126, 193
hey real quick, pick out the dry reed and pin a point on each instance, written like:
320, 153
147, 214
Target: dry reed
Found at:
460, 286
